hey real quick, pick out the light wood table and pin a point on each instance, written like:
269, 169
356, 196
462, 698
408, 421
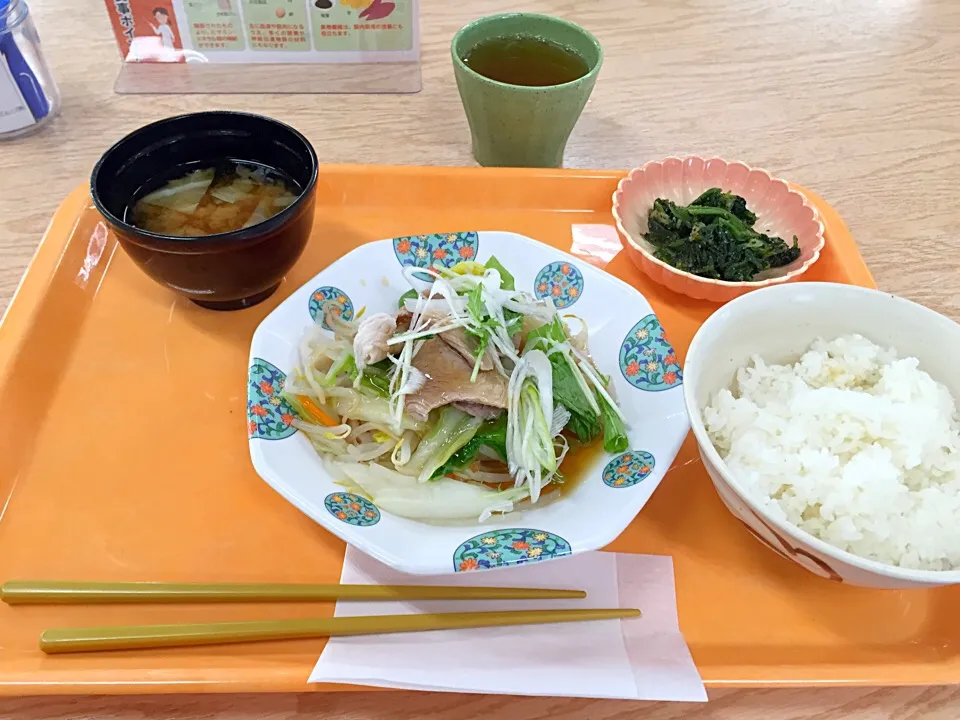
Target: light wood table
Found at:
857, 99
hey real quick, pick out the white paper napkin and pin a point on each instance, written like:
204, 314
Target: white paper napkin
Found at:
640, 659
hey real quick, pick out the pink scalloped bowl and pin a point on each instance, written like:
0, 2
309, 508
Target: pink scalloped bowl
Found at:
780, 210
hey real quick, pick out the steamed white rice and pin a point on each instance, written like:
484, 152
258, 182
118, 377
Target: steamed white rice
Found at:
852, 444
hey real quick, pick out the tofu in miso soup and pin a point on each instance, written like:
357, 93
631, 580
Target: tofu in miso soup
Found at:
194, 201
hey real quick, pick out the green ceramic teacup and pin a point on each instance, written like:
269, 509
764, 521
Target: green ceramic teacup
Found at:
520, 125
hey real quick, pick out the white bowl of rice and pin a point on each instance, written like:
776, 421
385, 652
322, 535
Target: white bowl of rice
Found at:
825, 417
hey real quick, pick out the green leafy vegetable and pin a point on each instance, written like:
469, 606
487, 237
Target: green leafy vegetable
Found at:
507, 281
475, 305
713, 237
452, 430
376, 377
478, 353
614, 433
484, 326
568, 391
408, 295
492, 434
513, 319
343, 365
552, 330
585, 427
715, 197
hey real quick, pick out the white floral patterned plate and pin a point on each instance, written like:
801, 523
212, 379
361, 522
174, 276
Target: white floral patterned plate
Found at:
626, 341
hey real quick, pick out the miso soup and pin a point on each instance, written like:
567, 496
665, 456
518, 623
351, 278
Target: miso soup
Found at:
196, 200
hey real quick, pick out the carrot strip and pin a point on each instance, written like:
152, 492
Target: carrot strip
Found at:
319, 415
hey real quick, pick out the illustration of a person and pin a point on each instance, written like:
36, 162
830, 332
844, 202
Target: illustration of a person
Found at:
162, 28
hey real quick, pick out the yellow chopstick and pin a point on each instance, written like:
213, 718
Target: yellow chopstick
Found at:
144, 637
32, 592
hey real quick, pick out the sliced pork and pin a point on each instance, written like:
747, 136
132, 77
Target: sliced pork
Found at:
447, 375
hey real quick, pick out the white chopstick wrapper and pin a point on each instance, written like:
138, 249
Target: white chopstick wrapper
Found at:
640, 659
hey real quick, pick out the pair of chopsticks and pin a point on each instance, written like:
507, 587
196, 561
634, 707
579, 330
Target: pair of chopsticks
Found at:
141, 637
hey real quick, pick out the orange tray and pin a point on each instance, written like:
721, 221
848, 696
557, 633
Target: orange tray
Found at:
124, 457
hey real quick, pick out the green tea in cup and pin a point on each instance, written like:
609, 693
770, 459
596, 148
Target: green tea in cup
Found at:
523, 78
526, 60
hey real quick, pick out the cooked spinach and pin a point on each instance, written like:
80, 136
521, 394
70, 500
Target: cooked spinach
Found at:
713, 237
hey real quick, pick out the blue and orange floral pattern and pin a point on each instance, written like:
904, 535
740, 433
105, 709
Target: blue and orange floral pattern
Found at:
269, 417
628, 469
329, 299
444, 249
515, 546
352, 509
647, 359
561, 281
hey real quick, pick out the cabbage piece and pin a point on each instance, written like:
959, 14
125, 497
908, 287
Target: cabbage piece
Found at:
237, 190
452, 430
183, 194
442, 499
357, 406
